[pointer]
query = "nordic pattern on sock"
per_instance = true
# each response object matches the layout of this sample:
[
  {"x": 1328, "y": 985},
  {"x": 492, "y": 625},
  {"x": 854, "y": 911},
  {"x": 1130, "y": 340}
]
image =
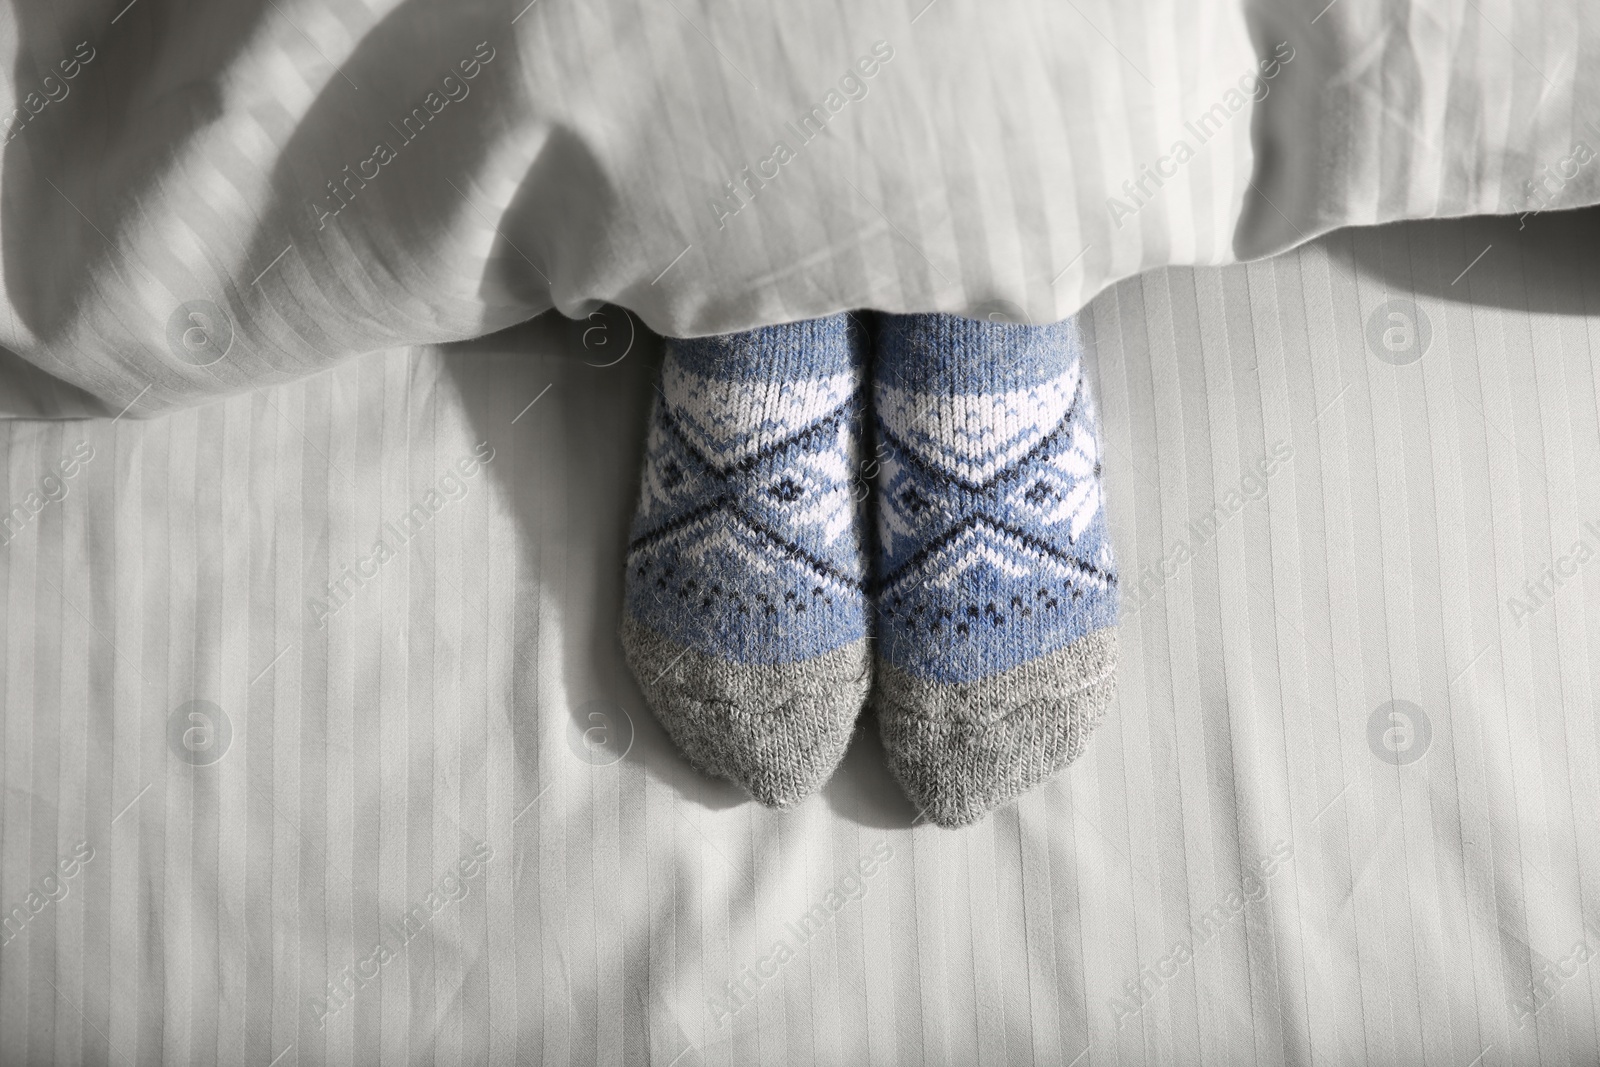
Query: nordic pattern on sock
[
  {"x": 993, "y": 541},
  {"x": 745, "y": 544}
]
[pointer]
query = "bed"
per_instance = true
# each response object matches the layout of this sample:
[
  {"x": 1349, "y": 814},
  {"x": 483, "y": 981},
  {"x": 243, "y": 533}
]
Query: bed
[
  {"x": 316, "y": 739},
  {"x": 1337, "y": 815}
]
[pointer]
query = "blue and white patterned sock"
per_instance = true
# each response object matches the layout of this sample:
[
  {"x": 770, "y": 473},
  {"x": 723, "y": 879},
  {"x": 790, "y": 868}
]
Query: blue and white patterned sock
[
  {"x": 996, "y": 588},
  {"x": 746, "y": 614}
]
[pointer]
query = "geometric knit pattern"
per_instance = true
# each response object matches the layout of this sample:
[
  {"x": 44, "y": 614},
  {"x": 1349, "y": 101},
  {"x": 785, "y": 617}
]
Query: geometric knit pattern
[
  {"x": 995, "y": 584},
  {"x": 745, "y": 541},
  {"x": 993, "y": 545},
  {"x": 745, "y": 589}
]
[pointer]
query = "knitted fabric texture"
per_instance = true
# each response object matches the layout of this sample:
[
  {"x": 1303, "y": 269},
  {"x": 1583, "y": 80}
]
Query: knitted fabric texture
[
  {"x": 996, "y": 588},
  {"x": 746, "y": 613}
]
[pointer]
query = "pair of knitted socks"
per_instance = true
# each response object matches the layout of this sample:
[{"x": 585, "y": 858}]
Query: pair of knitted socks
[{"x": 761, "y": 616}]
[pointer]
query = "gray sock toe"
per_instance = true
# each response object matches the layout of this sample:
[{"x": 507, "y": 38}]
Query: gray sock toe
[
  {"x": 777, "y": 730},
  {"x": 960, "y": 751}
]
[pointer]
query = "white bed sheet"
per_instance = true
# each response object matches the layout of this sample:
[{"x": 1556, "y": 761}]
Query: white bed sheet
[{"x": 1252, "y": 864}]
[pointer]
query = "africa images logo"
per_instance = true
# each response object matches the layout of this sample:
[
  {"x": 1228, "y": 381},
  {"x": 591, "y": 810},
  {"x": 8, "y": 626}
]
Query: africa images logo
[
  {"x": 452, "y": 486},
  {"x": 1252, "y": 84},
  {"x": 342, "y": 190},
  {"x": 740, "y": 191},
  {"x": 740, "y": 991}
]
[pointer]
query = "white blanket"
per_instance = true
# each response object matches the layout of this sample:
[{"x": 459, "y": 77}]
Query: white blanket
[{"x": 204, "y": 201}]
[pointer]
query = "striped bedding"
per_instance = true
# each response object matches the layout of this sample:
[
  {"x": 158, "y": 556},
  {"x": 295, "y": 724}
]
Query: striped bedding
[
  {"x": 316, "y": 743},
  {"x": 273, "y": 792},
  {"x": 202, "y": 201}
]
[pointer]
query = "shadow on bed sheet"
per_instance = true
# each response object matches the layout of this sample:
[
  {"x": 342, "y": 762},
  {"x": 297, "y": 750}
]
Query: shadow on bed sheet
[{"x": 1500, "y": 261}]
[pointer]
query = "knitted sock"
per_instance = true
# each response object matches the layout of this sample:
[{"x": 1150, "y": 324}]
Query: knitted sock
[
  {"x": 746, "y": 620},
  {"x": 996, "y": 603}
]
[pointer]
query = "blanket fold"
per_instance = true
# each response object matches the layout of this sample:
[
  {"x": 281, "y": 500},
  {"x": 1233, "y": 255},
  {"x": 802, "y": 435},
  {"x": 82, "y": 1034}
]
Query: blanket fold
[{"x": 203, "y": 199}]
